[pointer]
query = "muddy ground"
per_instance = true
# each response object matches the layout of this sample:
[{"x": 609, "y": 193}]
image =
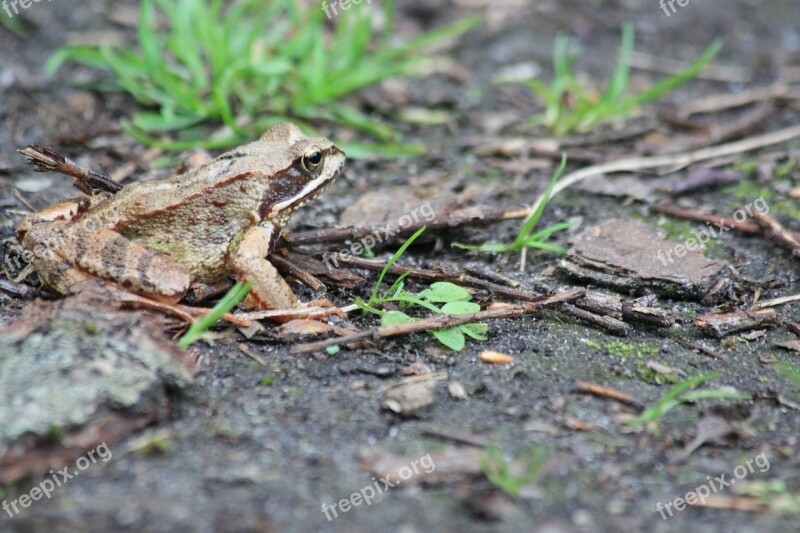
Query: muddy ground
[{"x": 238, "y": 452}]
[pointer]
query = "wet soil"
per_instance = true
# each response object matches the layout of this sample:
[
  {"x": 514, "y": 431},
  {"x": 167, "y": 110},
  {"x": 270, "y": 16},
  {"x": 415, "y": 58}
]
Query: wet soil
[{"x": 239, "y": 452}]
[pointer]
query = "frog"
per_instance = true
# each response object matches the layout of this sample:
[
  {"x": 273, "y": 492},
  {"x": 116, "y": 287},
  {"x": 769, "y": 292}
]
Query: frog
[{"x": 197, "y": 229}]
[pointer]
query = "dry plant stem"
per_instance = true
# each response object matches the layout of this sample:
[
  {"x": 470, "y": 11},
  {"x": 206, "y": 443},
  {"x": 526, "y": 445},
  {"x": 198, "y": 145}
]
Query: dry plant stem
[
  {"x": 308, "y": 280},
  {"x": 722, "y": 102},
  {"x": 441, "y": 321},
  {"x": 781, "y": 301},
  {"x": 743, "y": 125},
  {"x": 17, "y": 289},
  {"x": 302, "y": 312},
  {"x": 775, "y": 232},
  {"x": 671, "y": 160},
  {"x": 675, "y": 161},
  {"x": 734, "y": 503},
  {"x": 744, "y": 227},
  {"x": 604, "y": 137},
  {"x": 22, "y": 200},
  {"x": 45, "y": 159},
  {"x": 701, "y": 348},
  {"x": 605, "y": 392},
  {"x": 717, "y": 131}
]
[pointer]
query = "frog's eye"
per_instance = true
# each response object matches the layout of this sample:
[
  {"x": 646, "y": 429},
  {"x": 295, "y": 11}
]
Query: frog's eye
[{"x": 312, "y": 159}]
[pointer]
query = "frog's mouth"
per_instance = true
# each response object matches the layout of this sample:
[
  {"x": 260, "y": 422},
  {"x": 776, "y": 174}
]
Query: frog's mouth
[{"x": 335, "y": 159}]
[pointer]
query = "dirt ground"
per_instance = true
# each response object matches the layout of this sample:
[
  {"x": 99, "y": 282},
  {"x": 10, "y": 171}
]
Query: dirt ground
[{"x": 262, "y": 446}]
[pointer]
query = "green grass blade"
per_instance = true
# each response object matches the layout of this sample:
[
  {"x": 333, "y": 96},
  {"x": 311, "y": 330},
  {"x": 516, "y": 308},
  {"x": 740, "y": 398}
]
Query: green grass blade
[
  {"x": 621, "y": 77},
  {"x": 394, "y": 258},
  {"x": 671, "y": 82},
  {"x": 231, "y": 298},
  {"x": 531, "y": 221},
  {"x": 545, "y": 233},
  {"x": 671, "y": 398}
]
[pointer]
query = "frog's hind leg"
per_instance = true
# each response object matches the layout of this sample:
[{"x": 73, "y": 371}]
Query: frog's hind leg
[
  {"x": 106, "y": 254},
  {"x": 56, "y": 272}
]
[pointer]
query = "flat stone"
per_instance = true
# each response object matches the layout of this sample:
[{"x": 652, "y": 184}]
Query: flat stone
[{"x": 630, "y": 256}]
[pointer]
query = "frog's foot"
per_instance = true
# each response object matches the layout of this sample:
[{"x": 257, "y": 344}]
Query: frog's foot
[
  {"x": 324, "y": 304},
  {"x": 199, "y": 292},
  {"x": 320, "y": 308}
]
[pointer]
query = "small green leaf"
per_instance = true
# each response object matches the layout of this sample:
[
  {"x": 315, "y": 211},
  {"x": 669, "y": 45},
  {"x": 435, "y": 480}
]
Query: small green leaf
[
  {"x": 476, "y": 330},
  {"x": 450, "y": 337},
  {"x": 393, "y": 318},
  {"x": 267, "y": 380},
  {"x": 460, "y": 308},
  {"x": 444, "y": 291},
  {"x": 332, "y": 350}
]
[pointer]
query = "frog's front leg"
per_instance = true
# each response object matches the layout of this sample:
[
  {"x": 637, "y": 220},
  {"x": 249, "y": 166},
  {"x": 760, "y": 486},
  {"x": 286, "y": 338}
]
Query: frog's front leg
[
  {"x": 75, "y": 253},
  {"x": 269, "y": 290}
]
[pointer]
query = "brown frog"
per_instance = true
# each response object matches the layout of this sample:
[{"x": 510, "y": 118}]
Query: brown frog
[{"x": 157, "y": 238}]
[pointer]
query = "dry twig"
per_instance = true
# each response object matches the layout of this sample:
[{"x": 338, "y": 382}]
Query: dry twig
[
  {"x": 45, "y": 159},
  {"x": 605, "y": 392}
]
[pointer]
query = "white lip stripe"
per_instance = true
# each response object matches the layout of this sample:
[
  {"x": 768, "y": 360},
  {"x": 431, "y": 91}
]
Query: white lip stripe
[{"x": 308, "y": 189}]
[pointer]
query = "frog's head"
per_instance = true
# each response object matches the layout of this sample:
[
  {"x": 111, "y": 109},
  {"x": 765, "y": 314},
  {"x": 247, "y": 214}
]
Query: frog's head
[{"x": 312, "y": 164}]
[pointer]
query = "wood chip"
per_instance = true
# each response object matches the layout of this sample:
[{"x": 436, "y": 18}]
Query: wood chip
[
  {"x": 723, "y": 324},
  {"x": 497, "y": 358},
  {"x": 605, "y": 392}
]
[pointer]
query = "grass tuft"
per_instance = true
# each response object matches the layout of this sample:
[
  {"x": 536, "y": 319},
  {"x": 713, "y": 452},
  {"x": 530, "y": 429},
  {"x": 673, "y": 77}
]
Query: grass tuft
[
  {"x": 570, "y": 108},
  {"x": 525, "y": 237},
  {"x": 249, "y": 65}
]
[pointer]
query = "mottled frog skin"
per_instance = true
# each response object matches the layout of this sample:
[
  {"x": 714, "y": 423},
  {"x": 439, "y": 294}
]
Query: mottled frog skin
[{"x": 157, "y": 238}]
